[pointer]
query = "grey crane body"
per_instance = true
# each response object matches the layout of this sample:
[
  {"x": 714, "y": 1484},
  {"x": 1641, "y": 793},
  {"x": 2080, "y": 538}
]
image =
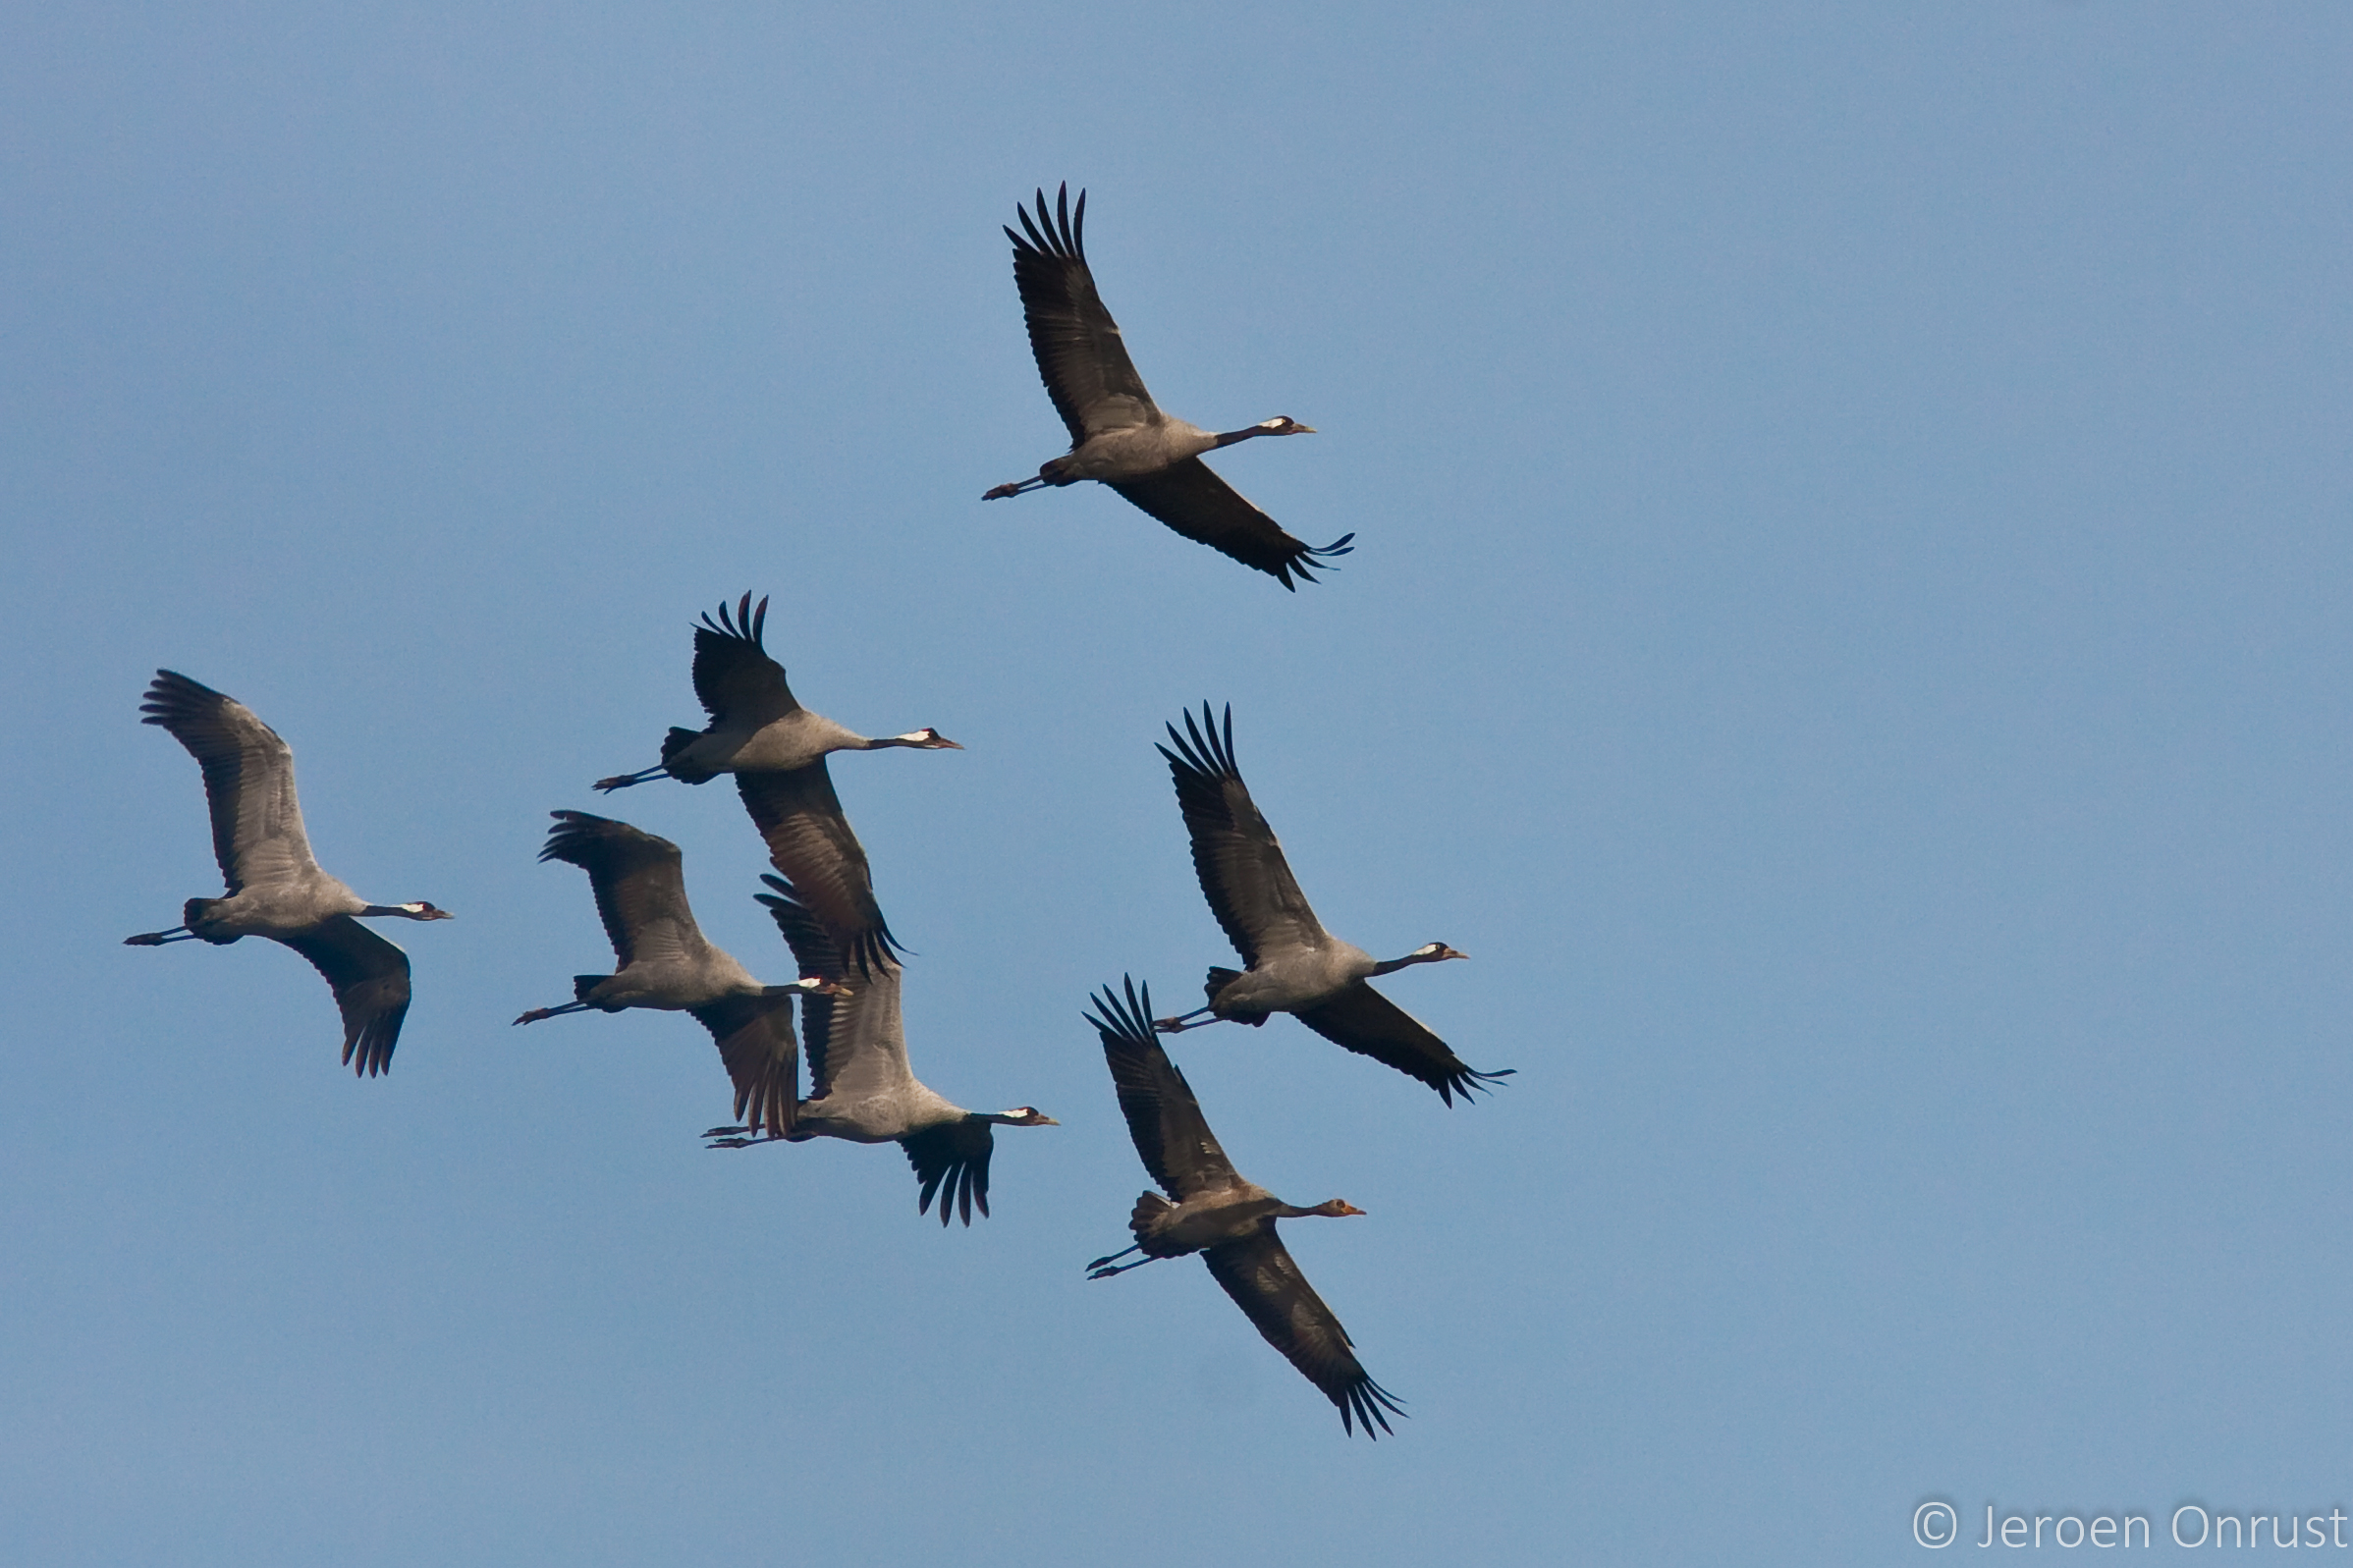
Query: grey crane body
[
  {"x": 1211, "y": 1209},
  {"x": 668, "y": 965},
  {"x": 1118, "y": 435},
  {"x": 1294, "y": 964},
  {"x": 1210, "y": 1217},
  {"x": 1153, "y": 441},
  {"x": 863, "y": 1090},
  {"x": 1289, "y": 978},
  {"x": 276, "y": 888},
  {"x": 756, "y": 724},
  {"x": 679, "y": 983},
  {"x": 781, "y": 744}
]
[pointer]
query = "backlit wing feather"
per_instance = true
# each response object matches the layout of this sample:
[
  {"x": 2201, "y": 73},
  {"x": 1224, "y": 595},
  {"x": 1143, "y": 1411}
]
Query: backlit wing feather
[
  {"x": 1243, "y": 875},
  {"x": 1172, "y": 1136},
  {"x": 370, "y": 980},
  {"x": 258, "y": 833},
  {"x": 1081, "y": 356},
  {"x": 1191, "y": 499},
  {"x": 1258, "y": 1272}
]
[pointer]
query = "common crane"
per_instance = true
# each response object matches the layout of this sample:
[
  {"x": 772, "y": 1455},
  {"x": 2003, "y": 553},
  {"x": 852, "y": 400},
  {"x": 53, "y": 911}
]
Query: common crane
[
  {"x": 1118, "y": 433},
  {"x": 667, "y": 963},
  {"x": 777, "y": 750},
  {"x": 1294, "y": 964},
  {"x": 1217, "y": 1214},
  {"x": 861, "y": 1087},
  {"x": 276, "y": 889}
]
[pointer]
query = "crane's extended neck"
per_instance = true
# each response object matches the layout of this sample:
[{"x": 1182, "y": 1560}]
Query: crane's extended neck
[
  {"x": 1431, "y": 952},
  {"x": 925, "y": 739},
  {"x": 1281, "y": 424}
]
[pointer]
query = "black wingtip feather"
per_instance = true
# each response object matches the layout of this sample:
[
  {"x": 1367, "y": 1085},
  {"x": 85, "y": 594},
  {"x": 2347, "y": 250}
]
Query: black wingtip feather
[
  {"x": 1367, "y": 1399},
  {"x": 1057, "y": 230},
  {"x": 1470, "y": 1081},
  {"x": 171, "y": 695},
  {"x": 1132, "y": 1022},
  {"x": 368, "y": 1054},
  {"x": 826, "y": 959},
  {"x": 579, "y": 836},
  {"x": 744, "y": 624}
]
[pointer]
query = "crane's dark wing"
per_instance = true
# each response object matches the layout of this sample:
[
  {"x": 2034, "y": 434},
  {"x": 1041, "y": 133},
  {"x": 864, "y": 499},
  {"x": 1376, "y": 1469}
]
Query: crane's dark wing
[
  {"x": 1171, "y": 1135},
  {"x": 763, "y": 1058},
  {"x": 734, "y": 676},
  {"x": 1371, "y": 1025},
  {"x": 1243, "y": 875},
  {"x": 640, "y": 887},
  {"x": 809, "y": 840},
  {"x": 371, "y": 979},
  {"x": 1080, "y": 355},
  {"x": 1263, "y": 1281},
  {"x": 258, "y": 833},
  {"x": 1191, "y": 499},
  {"x": 952, "y": 1161},
  {"x": 856, "y": 1042}
]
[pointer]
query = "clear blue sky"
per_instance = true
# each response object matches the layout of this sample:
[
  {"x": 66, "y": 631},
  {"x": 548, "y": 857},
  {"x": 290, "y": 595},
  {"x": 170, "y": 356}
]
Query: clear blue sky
[{"x": 1849, "y": 630}]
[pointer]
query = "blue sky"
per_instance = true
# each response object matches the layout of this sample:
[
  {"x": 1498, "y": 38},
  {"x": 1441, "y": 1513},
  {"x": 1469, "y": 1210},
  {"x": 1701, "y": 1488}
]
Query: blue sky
[{"x": 1847, "y": 630}]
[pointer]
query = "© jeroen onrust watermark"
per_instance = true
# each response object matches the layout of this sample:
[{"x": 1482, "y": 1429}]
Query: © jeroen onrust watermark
[{"x": 1937, "y": 1524}]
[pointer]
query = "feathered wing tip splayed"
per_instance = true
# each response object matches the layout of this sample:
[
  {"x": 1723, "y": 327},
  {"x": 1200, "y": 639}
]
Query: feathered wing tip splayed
[
  {"x": 1321, "y": 556},
  {"x": 951, "y": 1162},
  {"x": 1367, "y": 1400},
  {"x": 1202, "y": 749},
  {"x": 1470, "y": 1080},
  {"x": 1065, "y": 235},
  {"x": 1134, "y": 1021},
  {"x": 747, "y": 625}
]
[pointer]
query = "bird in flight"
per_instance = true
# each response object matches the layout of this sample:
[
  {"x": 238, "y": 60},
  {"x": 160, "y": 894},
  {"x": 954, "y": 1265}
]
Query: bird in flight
[
  {"x": 1226, "y": 1218},
  {"x": 1118, "y": 433},
  {"x": 1292, "y": 963},
  {"x": 276, "y": 889}
]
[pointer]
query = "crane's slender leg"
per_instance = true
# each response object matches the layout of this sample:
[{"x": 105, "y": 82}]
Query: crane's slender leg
[
  {"x": 538, "y": 1013},
  {"x": 1002, "y": 491},
  {"x": 156, "y": 938},
  {"x": 1114, "y": 1256},
  {"x": 1106, "y": 1271},
  {"x": 1180, "y": 1024},
  {"x": 624, "y": 779},
  {"x": 739, "y": 1138}
]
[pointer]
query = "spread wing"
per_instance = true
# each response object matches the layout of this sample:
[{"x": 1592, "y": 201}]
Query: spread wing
[
  {"x": 1243, "y": 875},
  {"x": 1191, "y": 499},
  {"x": 1172, "y": 1136},
  {"x": 856, "y": 1042},
  {"x": 1081, "y": 356},
  {"x": 371, "y": 979},
  {"x": 952, "y": 1161},
  {"x": 1263, "y": 1281},
  {"x": 733, "y": 676},
  {"x": 755, "y": 1039},
  {"x": 639, "y": 884},
  {"x": 810, "y": 841},
  {"x": 258, "y": 831},
  {"x": 1371, "y": 1025}
]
